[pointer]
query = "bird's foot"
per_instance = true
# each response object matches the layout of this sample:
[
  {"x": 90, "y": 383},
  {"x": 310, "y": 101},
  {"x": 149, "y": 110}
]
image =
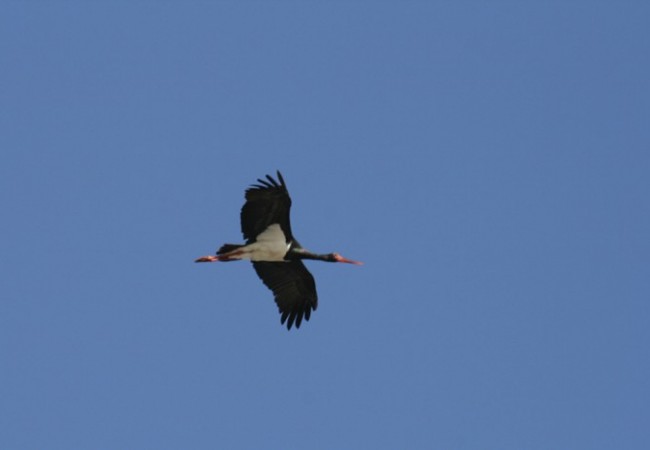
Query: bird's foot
[{"x": 208, "y": 258}]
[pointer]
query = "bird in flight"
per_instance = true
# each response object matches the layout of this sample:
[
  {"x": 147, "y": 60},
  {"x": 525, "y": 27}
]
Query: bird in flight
[{"x": 276, "y": 255}]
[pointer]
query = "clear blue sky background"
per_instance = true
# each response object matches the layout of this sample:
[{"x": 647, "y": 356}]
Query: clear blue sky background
[{"x": 488, "y": 161}]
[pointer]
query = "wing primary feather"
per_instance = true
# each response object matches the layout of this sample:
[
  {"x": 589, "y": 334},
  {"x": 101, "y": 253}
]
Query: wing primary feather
[
  {"x": 292, "y": 318},
  {"x": 281, "y": 179},
  {"x": 264, "y": 184},
  {"x": 273, "y": 182}
]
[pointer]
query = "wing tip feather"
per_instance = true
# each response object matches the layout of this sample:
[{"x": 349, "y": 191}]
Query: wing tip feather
[{"x": 269, "y": 184}]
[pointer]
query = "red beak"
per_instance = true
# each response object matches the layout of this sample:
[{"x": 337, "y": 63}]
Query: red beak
[{"x": 339, "y": 258}]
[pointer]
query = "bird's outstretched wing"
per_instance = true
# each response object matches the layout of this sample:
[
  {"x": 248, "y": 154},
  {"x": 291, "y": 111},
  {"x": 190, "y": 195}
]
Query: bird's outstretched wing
[
  {"x": 266, "y": 203},
  {"x": 293, "y": 287}
]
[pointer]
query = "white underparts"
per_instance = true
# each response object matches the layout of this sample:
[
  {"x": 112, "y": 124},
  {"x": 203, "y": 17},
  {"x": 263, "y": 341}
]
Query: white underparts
[{"x": 270, "y": 245}]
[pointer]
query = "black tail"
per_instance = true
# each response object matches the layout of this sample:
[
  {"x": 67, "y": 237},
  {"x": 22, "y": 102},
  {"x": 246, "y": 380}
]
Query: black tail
[{"x": 225, "y": 248}]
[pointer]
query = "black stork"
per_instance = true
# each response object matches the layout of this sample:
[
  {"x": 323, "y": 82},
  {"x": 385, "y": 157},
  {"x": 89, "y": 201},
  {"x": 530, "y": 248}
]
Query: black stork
[{"x": 276, "y": 254}]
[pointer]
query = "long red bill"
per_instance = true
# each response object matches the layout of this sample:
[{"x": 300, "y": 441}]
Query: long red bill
[{"x": 339, "y": 258}]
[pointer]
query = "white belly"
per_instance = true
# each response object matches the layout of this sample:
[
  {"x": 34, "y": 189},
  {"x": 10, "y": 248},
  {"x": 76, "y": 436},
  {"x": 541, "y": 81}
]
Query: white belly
[{"x": 270, "y": 245}]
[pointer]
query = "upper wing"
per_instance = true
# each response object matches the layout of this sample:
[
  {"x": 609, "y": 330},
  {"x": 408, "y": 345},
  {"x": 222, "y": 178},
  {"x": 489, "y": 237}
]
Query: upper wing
[
  {"x": 266, "y": 203},
  {"x": 293, "y": 287}
]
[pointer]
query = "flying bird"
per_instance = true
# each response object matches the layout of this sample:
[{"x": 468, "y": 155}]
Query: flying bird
[{"x": 276, "y": 255}]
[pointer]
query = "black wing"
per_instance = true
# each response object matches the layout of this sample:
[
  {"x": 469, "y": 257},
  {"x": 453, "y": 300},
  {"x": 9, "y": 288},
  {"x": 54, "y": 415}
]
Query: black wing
[
  {"x": 266, "y": 203},
  {"x": 293, "y": 287}
]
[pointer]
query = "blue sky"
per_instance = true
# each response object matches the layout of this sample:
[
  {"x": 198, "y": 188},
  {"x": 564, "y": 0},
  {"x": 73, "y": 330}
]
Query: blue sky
[{"x": 488, "y": 161}]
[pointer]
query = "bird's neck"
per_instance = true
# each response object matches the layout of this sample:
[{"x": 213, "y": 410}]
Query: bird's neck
[{"x": 301, "y": 253}]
